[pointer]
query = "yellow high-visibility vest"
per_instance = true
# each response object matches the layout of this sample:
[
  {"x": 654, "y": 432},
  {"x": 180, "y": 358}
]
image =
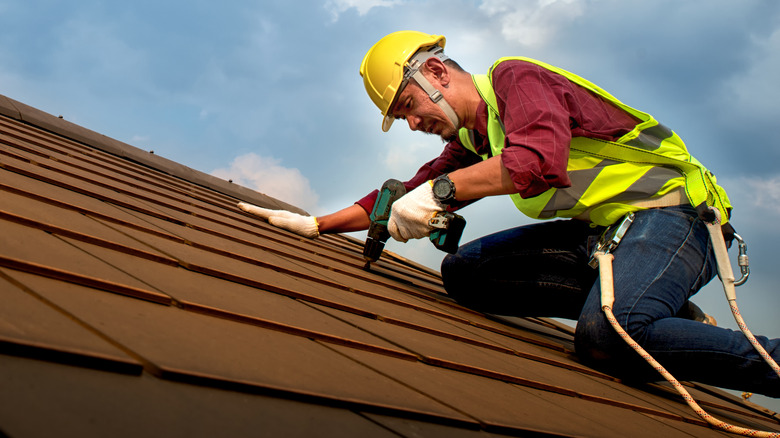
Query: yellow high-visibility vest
[{"x": 647, "y": 163}]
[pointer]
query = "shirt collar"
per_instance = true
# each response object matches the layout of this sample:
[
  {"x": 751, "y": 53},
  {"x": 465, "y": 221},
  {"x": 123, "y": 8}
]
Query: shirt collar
[
  {"x": 480, "y": 124},
  {"x": 482, "y": 145}
]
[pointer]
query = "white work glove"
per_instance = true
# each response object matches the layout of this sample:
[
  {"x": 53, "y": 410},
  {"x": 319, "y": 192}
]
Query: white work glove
[
  {"x": 410, "y": 216},
  {"x": 305, "y": 226}
]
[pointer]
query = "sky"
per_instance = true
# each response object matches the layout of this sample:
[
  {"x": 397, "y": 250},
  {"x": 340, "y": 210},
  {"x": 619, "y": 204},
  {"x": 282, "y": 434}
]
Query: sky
[{"x": 267, "y": 93}]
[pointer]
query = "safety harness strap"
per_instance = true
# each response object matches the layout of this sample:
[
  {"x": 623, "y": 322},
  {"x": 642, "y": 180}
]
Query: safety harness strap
[{"x": 700, "y": 183}]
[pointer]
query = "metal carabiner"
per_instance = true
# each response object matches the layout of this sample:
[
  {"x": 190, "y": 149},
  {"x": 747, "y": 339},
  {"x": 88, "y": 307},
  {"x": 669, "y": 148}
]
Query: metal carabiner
[
  {"x": 610, "y": 239},
  {"x": 742, "y": 261}
]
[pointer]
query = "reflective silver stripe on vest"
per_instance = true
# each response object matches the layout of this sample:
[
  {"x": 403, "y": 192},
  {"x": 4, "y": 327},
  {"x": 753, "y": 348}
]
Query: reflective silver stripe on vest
[
  {"x": 565, "y": 199},
  {"x": 473, "y": 140},
  {"x": 650, "y": 139},
  {"x": 651, "y": 183},
  {"x": 648, "y": 185}
]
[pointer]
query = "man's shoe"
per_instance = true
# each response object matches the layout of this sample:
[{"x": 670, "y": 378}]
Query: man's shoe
[{"x": 693, "y": 312}]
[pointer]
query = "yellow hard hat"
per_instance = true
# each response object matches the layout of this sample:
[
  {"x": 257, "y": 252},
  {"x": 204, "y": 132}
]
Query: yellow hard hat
[{"x": 383, "y": 66}]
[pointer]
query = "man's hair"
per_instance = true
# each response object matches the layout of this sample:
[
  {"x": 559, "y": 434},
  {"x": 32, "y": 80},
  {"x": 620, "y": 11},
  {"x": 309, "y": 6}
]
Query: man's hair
[{"x": 454, "y": 65}]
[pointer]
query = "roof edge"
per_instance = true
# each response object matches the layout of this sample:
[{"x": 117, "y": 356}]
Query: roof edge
[{"x": 57, "y": 125}]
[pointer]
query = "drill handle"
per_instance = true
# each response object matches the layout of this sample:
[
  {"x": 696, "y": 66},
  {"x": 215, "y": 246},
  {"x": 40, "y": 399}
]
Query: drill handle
[{"x": 391, "y": 191}]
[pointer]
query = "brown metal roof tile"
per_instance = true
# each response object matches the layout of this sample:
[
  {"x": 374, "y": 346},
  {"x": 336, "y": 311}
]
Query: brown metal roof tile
[
  {"x": 61, "y": 199},
  {"x": 187, "y": 345},
  {"x": 71, "y": 401},
  {"x": 30, "y": 326},
  {"x": 206, "y": 294},
  {"x": 502, "y": 406},
  {"x": 25, "y": 244}
]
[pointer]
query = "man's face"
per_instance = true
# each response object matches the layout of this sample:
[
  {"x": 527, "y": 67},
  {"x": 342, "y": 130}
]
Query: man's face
[{"x": 414, "y": 106}]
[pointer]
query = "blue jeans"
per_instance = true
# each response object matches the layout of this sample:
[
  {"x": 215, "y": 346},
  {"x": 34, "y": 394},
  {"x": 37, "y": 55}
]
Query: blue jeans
[{"x": 664, "y": 259}]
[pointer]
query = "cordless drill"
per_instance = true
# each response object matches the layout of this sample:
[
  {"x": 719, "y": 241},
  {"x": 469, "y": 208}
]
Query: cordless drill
[
  {"x": 391, "y": 191},
  {"x": 448, "y": 227}
]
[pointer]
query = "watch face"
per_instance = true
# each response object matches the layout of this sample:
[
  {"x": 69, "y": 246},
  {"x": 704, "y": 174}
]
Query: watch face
[{"x": 442, "y": 189}]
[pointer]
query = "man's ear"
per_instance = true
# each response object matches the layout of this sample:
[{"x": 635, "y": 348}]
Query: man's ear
[{"x": 436, "y": 68}]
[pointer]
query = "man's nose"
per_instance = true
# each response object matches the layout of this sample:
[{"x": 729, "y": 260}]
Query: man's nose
[{"x": 414, "y": 122}]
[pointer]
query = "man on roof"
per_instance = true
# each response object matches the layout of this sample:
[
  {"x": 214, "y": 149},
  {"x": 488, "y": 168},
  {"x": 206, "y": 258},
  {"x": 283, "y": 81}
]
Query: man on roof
[{"x": 563, "y": 148}]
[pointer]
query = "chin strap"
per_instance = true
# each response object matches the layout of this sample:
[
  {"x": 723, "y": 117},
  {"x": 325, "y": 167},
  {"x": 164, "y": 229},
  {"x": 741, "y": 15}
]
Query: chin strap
[
  {"x": 436, "y": 97},
  {"x": 413, "y": 72}
]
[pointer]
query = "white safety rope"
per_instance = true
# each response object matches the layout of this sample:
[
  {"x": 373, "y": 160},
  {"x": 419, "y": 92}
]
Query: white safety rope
[
  {"x": 724, "y": 271},
  {"x": 726, "y": 275}
]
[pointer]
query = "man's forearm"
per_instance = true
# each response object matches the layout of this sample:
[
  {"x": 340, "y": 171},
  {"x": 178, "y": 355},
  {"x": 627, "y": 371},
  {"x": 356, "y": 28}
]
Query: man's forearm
[
  {"x": 486, "y": 178},
  {"x": 352, "y": 218}
]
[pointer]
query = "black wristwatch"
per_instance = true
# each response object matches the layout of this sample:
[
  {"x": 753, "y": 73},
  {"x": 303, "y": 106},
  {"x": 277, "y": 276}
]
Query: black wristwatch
[{"x": 444, "y": 189}]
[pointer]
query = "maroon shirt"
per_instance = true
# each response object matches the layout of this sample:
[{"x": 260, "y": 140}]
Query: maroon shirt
[{"x": 541, "y": 111}]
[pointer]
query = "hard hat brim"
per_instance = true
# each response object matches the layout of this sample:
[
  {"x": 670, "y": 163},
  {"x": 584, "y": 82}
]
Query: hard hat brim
[{"x": 387, "y": 122}]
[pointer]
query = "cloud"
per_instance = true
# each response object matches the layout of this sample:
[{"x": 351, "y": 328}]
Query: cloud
[
  {"x": 266, "y": 175},
  {"x": 405, "y": 153},
  {"x": 532, "y": 23},
  {"x": 755, "y": 90},
  {"x": 760, "y": 195},
  {"x": 337, "y": 7},
  {"x": 137, "y": 138}
]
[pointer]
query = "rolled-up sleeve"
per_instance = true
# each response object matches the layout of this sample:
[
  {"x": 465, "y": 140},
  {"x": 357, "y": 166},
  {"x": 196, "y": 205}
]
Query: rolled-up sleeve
[{"x": 532, "y": 103}]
